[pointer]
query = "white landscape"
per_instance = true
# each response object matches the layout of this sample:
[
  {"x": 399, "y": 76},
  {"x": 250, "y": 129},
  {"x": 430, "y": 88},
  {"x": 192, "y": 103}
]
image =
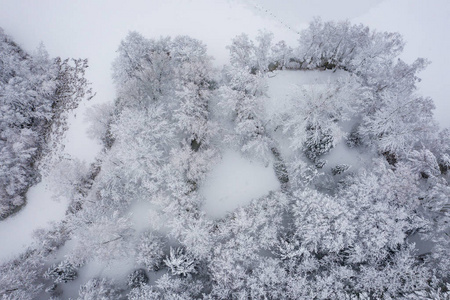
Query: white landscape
[{"x": 224, "y": 150}]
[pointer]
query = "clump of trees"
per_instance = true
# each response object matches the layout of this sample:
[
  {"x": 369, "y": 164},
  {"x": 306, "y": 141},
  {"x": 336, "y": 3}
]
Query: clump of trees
[
  {"x": 337, "y": 233},
  {"x": 36, "y": 95}
]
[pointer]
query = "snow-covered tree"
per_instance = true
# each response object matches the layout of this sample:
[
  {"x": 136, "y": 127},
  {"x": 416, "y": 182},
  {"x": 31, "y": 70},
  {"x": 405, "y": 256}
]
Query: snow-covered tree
[
  {"x": 101, "y": 117},
  {"x": 180, "y": 263},
  {"x": 36, "y": 95},
  {"x": 98, "y": 235},
  {"x": 168, "y": 287},
  {"x": 313, "y": 120},
  {"x": 340, "y": 45},
  {"x": 143, "y": 71},
  {"x": 243, "y": 96},
  {"x": 137, "y": 278},
  {"x": 281, "y": 56},
  {"x": 259, "y": 55},
  {"x": 242, "y": 52},
  {"x": 62, "y": 272},
  {"x": 21, "y": 278},
  {"x": 397, "y": 119},
  {"x": 149, "y": 251},
  {"x": 356, "y": 241},
  {"x": 262, "y": 50},
  {"x": 98, "y": 288}
]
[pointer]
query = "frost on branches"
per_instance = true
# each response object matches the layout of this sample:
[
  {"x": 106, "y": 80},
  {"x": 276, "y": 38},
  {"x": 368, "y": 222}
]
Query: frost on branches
[{"x": 363, "y": 170}]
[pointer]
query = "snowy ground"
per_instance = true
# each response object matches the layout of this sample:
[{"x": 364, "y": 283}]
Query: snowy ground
[
  {"x": 234, "y": 182},
  {"x": 16, "y": 231}
]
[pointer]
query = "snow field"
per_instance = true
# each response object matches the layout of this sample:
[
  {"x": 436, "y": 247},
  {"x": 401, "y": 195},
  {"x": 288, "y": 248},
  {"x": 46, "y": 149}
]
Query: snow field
[
  {"x": 234, "y": 182},
  {"x": 41, "y": 209}
]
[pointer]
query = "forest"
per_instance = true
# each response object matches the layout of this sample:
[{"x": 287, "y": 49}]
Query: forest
[{"x": 358, "y": 207}]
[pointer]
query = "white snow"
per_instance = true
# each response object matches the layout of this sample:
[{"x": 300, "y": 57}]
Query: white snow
[
  {"x": 41, "y": 208},
  {"x": 76, "y": 142},
  {"x": 342, "y": 154},
  {"x": 141, "y": 214},
  {"x": 234, "y": 182},
  {"x": 145, "y": 215}
]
